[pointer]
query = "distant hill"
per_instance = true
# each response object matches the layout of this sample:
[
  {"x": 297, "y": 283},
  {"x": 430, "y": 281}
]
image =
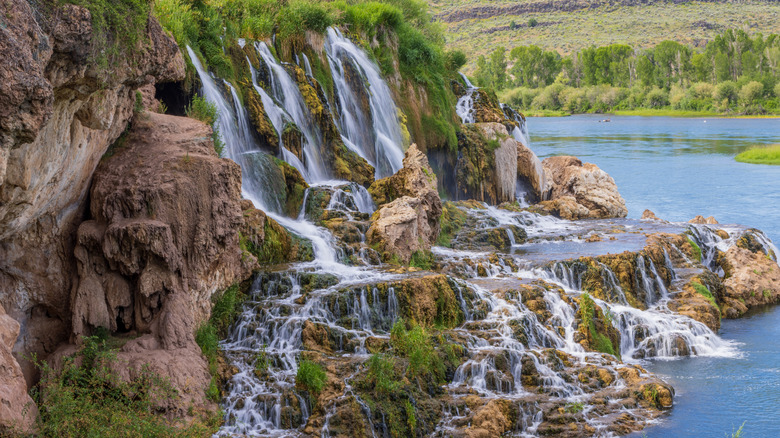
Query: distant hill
[{"x": 478, "y": 27}]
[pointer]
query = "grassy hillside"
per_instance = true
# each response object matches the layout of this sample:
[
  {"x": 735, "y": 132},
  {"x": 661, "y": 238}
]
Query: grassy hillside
[{"x": 478, "y": 27}]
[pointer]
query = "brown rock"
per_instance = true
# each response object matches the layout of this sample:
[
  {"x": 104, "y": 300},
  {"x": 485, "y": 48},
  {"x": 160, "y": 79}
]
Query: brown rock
[
  {"x": 490, "y": 420},
  {"x": 410, "y": 207},
  {"x": 531, "y": 172},
  {"x": 752, "y": 279},
  {"x": 701, "y": 220},
  {"x": 589, "y": 186},
  {"x": 17, "y": 409},
  {"x": 649, "y": 215}
]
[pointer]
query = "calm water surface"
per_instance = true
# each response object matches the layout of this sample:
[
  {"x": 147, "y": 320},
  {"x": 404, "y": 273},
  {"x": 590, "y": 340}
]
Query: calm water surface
[{"x": 679, "y": 168}]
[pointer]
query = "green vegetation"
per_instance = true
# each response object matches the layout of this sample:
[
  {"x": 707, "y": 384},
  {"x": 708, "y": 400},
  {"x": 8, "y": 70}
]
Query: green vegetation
[
  {"x": 422, "y": 259},
  {"x": 588, "y": 314},
  {"x": 738, "y": 433},
  {"x": 416, "y": 345},
  {"x": 205, "y": 111},
  {"x": 311, "y": 377},
  {"x": 118, "y": 28},
  {"x": 381, "y": 374},
  {"x": 760, "y": 155},
  {"x": 734, "y": 74},
  {"x": 695, "y": 249},
  {"x": 477, "y": 27},
  {"x": 451, "y": 221},
  {"x": 705, "y": 292},
  {"x": 574, "y": 408},
  {"x": 227, "y": 306},
  {"x": 88, "y": 398}
]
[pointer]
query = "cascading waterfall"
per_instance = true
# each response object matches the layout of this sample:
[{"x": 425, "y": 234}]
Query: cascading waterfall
[
  {"x": 503, "y": 332},
  {"x": 374, "y": 133},
  {"x": 465, "y": 106}
]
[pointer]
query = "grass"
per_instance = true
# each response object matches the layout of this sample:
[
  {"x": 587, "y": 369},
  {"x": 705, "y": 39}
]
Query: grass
[
  {"x": 587, "y": 312},
  {"x": 310, "y": 377},
  {"x": 545, "y": 113},
  {"x": 88, "y": 398},
  {"x": 760, "y": 155},
  {"x": 416, "y": 345},
  {"x": 423, "y": 260},
  {"x": 572, "y": 30},
  {"x": 695, "y": 249},
  {"x": 205, "y": 111}
]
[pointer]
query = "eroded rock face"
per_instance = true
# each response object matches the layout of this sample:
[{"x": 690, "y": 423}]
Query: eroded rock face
[
  {"x": 487, "y": 166},
  {"x": 408, "y": 218},
  {"x": 59, "y": 112},
  {"x": 581, "y": 191},
  {"x": 752, "y": 279},
  {"x": 531, "y": 174},
  {"x": 17, "y": 409}
]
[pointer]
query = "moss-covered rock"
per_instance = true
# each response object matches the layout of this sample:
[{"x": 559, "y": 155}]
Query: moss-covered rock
[
  {"x": 292, "y": 138},
  {"x": 595, "y": 328},
  {"x": 487, "y": 165},
  {"x": 265, "y": 130},
  {"x": 268, "y": 242}
]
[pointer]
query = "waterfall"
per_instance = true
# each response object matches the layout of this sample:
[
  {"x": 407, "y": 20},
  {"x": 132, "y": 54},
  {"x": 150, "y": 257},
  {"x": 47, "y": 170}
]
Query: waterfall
[
  {"x": 285, "y": 91},
  {"x": 465, "y": 106},
  {"x": 374, "y": 134}
]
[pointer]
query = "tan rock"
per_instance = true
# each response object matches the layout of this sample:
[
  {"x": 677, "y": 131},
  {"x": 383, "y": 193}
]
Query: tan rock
[
  {"x": 410, "y": 207},
  {"x": 490, "y": 420},
  {"x": 649, "y": 215},
  {"x": 700, "y": 220},
  {"x": 590, "y": 187},
  {"x": 752, "y": 279},
  {"x": 17, "y": 410}
]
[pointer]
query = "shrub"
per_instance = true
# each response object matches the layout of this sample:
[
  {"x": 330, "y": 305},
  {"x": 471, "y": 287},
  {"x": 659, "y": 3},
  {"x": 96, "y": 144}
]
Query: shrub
[
  {"x": 416, "y": 345},
  {"x": 205, "y": 111},
  {"x": 381, "y": 374},
  {"x": 726, "y": 90},
  {"x": 311, "y": 377},
  {"x": 656, "y": 98},
  {"x": 178, "y": 18},
  {"x": 751, "y": 92}
]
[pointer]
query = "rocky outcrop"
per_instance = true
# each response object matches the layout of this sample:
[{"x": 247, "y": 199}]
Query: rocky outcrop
[
  {"x": 487, "y": 166},
  {"x": 17, "y": 409},
  {"x": 59, "y": 112},
  {"x": 408, "y": 218},
  {"x": 531, "y": 174},
  {"x": 162, "y": 238},
  {"x": 751, "y": 278},
  {"x": 701, "y": 220},
  {"x": 650, "y": 216},
  {"x": 581, "y": 191}
]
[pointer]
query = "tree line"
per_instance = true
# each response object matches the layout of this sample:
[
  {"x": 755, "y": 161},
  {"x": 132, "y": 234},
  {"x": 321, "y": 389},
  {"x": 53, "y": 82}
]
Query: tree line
[{"x": 733, "y": 72}]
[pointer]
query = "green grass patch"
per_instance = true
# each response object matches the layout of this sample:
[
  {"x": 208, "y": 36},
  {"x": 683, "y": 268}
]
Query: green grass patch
[
  {"x": 311, "y": 377},
  {"x": 760, "y": 155},
  {"x": 587, "y": 312},
  {"x": 451, "y": 221},
  {"x": 422, "y": 259},
  {"x": 201, "y": 109},
  {"x": 416, "y": 345}
]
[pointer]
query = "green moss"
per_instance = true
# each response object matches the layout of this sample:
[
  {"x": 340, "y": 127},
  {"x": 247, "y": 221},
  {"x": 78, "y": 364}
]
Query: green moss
[
  {"x": 705, "y": 292},
  {"x": 422, "y": 260},
  {"x": 451, "y": 221},
  {"x": 587, "y": 311},
  {"x": 695, "y": 249}
]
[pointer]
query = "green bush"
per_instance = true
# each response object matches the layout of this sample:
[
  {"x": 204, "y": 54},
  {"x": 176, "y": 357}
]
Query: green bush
[
  {"x": 201, "y": 109},
  {"x": 311, "y": 377},
  {"x": 416, "y": 345},
  {"x": 381, "y": 374}
]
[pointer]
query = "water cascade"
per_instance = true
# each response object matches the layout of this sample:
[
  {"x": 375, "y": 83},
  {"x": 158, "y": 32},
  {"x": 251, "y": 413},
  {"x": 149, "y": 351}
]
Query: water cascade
[
  {"x": 465, "y": 106},
  {"x": 373, "y": 132}
]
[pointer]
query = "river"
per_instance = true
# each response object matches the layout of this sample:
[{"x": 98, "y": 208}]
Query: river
[{"x": 679, "y": 168}]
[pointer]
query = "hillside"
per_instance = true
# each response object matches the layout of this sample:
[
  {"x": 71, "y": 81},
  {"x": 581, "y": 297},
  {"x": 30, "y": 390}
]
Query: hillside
[{"x": 478, "y": 27}]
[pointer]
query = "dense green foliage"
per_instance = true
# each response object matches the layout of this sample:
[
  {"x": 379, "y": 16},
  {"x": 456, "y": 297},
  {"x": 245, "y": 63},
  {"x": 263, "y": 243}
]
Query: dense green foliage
[
  {"x": 733, "y": 73},
  {"x": 310, "y": 377},
  {"x": 761, "y": 155},
  {"x": 416, "y": 345},
  {"x": 88, "y": 398}
]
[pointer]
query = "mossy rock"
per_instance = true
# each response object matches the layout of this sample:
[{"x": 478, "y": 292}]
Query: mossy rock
[
  {"x": 260, "y": 121},
  {"x": 597, "y": 332},
  {"x": 271, "y": 243},
  {"x": 292, "y": 138}
]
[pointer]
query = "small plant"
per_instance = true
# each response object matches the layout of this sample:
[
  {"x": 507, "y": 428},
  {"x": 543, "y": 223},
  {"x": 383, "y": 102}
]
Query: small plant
[
  {"x": 573, "y": 408},
  {"x": 695, "y": 249},
  {"x": 422, "y": 260},
  {"x": 381, "y": 373},
  {"x": 411, "y": 420},
  {"x": 416, "y": 345},
  {"x": 262, "y": 361},
  {"x": 311, "y": 377},
  {"x": 738, "y": 433},
  {"x": 705, "y": 292},
  {"x": 138, "y": 108},
  {"x": 532, "y": 22},
  {"x": 767, "y": 294},
  {"x": 162, "y": 108},
  {"x": 205, "y": 111}
]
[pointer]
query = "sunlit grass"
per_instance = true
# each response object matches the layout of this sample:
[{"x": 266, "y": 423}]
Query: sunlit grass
[{"x": 760, "y": 155}]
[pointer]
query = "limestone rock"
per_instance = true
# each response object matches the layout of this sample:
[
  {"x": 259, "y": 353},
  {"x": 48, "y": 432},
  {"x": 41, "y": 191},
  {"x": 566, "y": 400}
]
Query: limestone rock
[
  {"x": 17, "y": 409},
  {"x": 530, "y": 173},
  {"x": 751, "y": 279},
  {"x": 649, "y": 215},
  {"x": 700, "y": 220},
  {"x": 59, "y": 112},
  {"x": 487, "y": 167},
  {"x": 408, "y": 218},
  {"x": 590, "y": 187},
  {"x": 402, "y": 228}
]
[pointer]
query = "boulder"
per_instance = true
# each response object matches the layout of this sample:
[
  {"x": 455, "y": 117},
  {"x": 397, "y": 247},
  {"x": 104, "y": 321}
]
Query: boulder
[
  {"x": 409, "y": 208},
  {"x": 650, "y": 216},
  {"x": 402, "y": 228},
  {"x": 751, "y": 279},
  {"x": 590, "y": 188},
  {"x": 700, "y": 220},
  {"x": 487, "y": 167}
]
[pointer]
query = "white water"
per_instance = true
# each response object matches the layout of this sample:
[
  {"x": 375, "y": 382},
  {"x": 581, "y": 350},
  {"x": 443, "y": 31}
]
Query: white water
[
  {"x": 376, "y": 135},
  {"x": 465, "y": 106}
]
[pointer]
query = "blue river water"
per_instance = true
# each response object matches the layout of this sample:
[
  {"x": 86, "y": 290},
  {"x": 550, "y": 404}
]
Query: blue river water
[{"x": 680, "y": 168}]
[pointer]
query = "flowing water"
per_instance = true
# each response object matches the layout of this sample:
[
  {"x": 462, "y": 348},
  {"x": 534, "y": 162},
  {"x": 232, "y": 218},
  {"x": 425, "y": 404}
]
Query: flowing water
[
  {"x": 355, "y": 302},
  {"x": 679, "y": 168}
]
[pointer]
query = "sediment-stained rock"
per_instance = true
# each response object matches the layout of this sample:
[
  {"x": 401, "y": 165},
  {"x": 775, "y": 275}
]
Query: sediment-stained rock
[
  {"x": 581, "y": 191},
  {"x": 487, "y": 165}
]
